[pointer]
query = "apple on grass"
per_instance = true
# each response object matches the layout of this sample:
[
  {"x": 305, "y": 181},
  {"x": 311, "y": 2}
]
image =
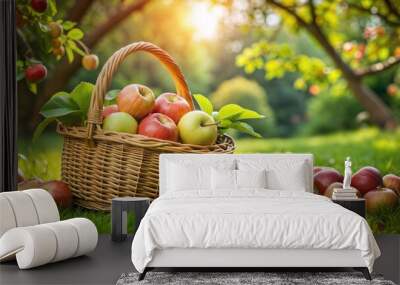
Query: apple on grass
[
  {"x": 366, "y": 179},
  {"x": 380, "y": 198},
  {"x": 198, "y": 128},
  {"x": 172, "y": 105},
  {"x": 326, "y": 177},
  {"x": 120, "y": 122},
  {"x": 158, "y": 126},
  {"x": 392, "y": 181},
  {"x": 136, "y": 100},
  {"x": 60, "y": 191}
]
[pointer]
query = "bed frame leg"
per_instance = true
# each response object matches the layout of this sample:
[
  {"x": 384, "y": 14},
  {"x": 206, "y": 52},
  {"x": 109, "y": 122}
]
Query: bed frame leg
[
  {"x": 143, "y": 274},
  {"x": 364, "y": 271}
]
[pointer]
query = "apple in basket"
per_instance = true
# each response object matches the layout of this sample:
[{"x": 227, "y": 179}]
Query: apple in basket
[
  {"x": 172, "y": 105},
  {"x": 108, "y": 110},
  {"x": 120, "y": 122},
  {"x": 136, "y": 100},
  {"x": 198, "y": 128},
  {"x": 158, "y": 126}
]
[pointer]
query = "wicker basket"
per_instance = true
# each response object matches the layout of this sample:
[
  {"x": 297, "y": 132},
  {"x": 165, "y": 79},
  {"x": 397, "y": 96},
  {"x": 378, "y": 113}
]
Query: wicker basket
[{"x": 99, "y": 166}]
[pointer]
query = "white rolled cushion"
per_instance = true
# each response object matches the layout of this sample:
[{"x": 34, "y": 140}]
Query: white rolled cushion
[
  {"x": 66, "y": 238},
  {"x": 87, "y": 235},
  {"x": 251, "y": 178},
  {"x": 7, "y": 218},
  {"x": 223, "y": 179},
  {"x": 33, "y": 246},
  {"x": 45, "y": 205},
  {"x": 40, "y": 244},
  {"x": 23, "y": 208}
]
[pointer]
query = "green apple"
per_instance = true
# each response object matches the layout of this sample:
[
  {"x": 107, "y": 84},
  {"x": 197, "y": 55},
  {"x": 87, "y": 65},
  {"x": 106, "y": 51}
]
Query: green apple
[
  {"x": 120, "y": 122},
  {"x": 197, "y": 127}
]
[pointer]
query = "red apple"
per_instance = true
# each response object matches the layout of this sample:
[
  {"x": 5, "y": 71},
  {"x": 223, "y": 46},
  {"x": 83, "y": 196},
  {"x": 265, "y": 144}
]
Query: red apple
[
  {"x": 60, "y": 192},
  {"x": 379, "y": 198},
  {"x": 366, "y": 179},
  {"x": 36, "y": 72},
  {"x": 108, "y": 110},
  {"x": 39, "y": 5},
  {"x": 392, "y": 181},
  {"x": 158, "y": 126},
  {"x": 326, "y": 177},
  {"x": 136, "y": 100},
  {"x": 317, "y": 169},
  {"x": 172, "y": 105}
]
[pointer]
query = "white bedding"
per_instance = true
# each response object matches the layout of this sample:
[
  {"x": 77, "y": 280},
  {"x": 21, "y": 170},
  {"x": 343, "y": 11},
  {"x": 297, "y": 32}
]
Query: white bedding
[{"x": 253, "y": 218}]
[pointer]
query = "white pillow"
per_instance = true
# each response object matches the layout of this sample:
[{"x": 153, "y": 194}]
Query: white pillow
[
  {"x": 251, "y": 178},
  {"x": 189, "y": 176},
  {"x": 223, "y": 179},
  {"x": 282, "y": 173}
]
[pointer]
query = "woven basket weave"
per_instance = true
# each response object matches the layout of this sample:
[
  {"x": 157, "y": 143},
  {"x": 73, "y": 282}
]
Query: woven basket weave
[{"x": 99, "y": 166}]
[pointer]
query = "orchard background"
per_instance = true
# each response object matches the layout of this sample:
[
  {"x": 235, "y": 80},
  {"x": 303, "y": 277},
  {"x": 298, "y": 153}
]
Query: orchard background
[{"x": 325, "y": 73}]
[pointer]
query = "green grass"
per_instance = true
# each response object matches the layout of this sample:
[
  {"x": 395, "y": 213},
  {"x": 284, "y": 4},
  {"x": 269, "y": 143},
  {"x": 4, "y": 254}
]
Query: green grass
[{"x": 366, "y": 147}]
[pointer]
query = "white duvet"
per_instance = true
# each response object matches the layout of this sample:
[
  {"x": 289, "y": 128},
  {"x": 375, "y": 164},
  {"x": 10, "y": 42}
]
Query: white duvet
[{"x": 250, "y": 219}]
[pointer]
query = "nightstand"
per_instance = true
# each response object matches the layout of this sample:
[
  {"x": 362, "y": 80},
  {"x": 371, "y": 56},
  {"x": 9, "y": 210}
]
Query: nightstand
[
  {"x": 355, "y": 205},
  {"x": 119, "y": 214}
]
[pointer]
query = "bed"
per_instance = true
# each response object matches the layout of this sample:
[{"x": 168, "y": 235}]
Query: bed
[{"x": 247, "y": 210}]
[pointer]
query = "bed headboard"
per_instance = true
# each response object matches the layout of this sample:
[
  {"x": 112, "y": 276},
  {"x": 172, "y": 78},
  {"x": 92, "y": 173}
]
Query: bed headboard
[{"x": 212, "y": 158}]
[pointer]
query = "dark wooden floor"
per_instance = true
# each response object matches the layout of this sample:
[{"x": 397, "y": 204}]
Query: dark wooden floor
[
  {"x": 110, "y": 260},
  {"x": 103, "y": 266}
]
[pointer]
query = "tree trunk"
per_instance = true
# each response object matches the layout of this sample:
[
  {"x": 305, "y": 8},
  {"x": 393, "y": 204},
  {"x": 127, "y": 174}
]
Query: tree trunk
[{"x": 380, "y": 114}]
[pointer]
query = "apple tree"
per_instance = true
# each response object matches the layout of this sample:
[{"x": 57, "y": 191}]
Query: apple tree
[
  {"x": 360, "y": 39},
  {"x": 43, "y": 38}
]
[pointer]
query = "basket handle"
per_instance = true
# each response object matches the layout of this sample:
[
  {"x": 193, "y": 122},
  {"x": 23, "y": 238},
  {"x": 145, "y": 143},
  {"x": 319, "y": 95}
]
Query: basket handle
[{"x": 110, "y": 67}]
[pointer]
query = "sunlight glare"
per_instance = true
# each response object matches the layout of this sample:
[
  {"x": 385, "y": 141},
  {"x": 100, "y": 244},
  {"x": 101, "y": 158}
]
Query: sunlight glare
[{"x": 205, "y": 19}]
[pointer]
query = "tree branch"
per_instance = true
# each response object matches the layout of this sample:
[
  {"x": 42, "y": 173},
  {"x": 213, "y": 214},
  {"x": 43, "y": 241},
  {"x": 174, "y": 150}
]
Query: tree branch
[
  {"x": 377, "y": 13},
  {"x": 117, "y": 16},
  {"x": 378, "y": 67},
  {"x": 392, "y": 8},
  {"x": 78, "y": 10},
  {"x": 312, "y": 10},
  {"x": 290, "y": 11}
]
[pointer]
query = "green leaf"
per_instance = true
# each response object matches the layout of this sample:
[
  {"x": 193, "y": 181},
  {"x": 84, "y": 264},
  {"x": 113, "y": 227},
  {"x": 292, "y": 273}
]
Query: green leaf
[
  {"x": 68, "y": 25},
  {"x": 59, "y": 105},
  {"x": 245, "y": 128},
  {"x": 204, "y": 103},
  {"x": 75, "y": 34},
  {"x": 229, "y": 111},
  {"x": 82, "y": 94},
  {"x": 52, "y": 8},
  {"x": 111, "y": 96},
  {"x": 40, "y": 128},
  {"x": 32, "y": 87},
  {"x": 225, "y": 124},
  {"x": 249, "y": 114},
  {"x": 70, "y": 54},
  {"x": 75, "y": 48}
]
